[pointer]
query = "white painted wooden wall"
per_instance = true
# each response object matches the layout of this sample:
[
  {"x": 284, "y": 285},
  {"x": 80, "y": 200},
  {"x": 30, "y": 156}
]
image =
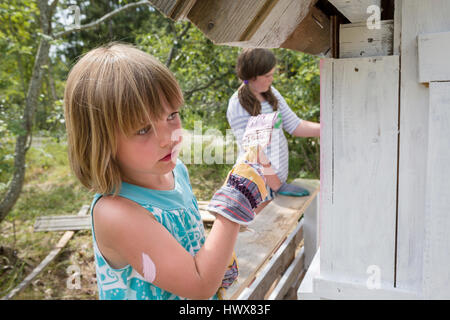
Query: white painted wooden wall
[
  {"x": 359, "y": 172},
  {"x": 417, "y": 239},
  {"x": 385, "y": 198}
]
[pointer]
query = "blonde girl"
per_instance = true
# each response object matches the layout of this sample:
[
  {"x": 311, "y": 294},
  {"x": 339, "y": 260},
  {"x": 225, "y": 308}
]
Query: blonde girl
[{"x": 123, "y": 124}]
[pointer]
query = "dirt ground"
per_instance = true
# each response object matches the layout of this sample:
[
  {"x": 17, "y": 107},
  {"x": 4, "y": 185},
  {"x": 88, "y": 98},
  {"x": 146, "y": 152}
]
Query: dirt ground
[{"x": 70, "y": 276}]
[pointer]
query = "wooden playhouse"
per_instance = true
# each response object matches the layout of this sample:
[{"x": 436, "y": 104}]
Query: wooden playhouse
[{"x": 381, "y": 231}]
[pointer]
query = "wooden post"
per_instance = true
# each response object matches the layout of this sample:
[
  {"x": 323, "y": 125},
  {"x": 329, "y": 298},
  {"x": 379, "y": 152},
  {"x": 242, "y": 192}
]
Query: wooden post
[
  {"x": 311, "y": 230},
  {"x": 334, "y": 37}
]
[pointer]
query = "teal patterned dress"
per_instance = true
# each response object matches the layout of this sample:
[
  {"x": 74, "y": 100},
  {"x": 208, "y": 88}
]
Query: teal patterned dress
[{"x": 177, "y": 211}]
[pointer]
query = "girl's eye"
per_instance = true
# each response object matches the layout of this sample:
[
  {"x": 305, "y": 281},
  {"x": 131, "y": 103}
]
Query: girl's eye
[
  {"x": 173, "y": 115},
  {"x": 144, "y": 130}
]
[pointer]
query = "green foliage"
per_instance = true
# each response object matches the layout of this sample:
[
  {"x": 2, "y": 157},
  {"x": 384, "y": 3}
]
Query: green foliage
[
  {"x": 18, "y": 24},
  {"x": 205, "y": 72}
]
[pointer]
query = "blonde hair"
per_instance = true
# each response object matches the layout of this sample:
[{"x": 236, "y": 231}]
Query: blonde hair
[
  {"x": 253, "y": 62},
  {"x": 114, "y": 89}
]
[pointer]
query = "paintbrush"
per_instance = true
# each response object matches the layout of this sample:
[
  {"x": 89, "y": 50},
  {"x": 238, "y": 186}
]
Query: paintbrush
[{"x": 258, "y": 134}]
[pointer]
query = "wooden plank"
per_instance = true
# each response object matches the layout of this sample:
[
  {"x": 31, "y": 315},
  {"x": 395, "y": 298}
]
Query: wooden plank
[
  {"x": 311, "y": 35},
  {"x": 62, "y": 223},
  {"x": 174, "y": 9},
  {"x": 291, "y": 294},
  {"x": 224, "y": 21},
  {"x": 49, "y": 258},
  {"x": 433, "y": 51},
  {"x": 417, "y": 17},
  {"x": 271, "y": 226},
  {"x": 326, "y": 140},
  {"x": 339, "y": 290},
  {"x": 293, "y": 24},
  {"x": 355, "y": 10},
  {"x": 281, "y": 22},
  {"x": 359, "y": 232},
  {"x": 289, "y": 276},
  {"x": 306, "y": 288},
  {"x": 276, "y": 266},
  {"x": 356, "y": 40},
  {"x": 311, "y": 230},
  {"x": 181, "y": 11},
  {"x": 437, "y": 205}
]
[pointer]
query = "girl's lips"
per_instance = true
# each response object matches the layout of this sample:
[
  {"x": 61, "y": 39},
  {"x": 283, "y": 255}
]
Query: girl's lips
[{"x": 167, "y": 157}]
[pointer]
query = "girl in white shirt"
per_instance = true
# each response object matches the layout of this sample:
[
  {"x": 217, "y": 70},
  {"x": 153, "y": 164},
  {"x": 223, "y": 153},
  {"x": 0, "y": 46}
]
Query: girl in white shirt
[{"x": 256, "y": 95}]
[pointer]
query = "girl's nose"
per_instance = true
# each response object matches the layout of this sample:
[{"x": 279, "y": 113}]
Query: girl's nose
[
  {"x": 165, "y": 138},
  {"x": 169, "y": 137}
]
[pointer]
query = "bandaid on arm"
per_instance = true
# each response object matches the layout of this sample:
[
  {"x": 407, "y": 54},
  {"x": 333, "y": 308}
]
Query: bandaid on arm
[{"x": 148, "y": 268}]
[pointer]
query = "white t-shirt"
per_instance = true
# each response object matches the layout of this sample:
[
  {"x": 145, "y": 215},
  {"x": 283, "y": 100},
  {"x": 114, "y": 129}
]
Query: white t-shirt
[{"x": 277, "y": 151}]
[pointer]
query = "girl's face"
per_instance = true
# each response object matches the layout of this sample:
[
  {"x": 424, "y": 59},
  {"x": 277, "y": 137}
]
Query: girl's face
[
  {"x": 150, "y": 152},
  {"x": 262, "y": 83}
]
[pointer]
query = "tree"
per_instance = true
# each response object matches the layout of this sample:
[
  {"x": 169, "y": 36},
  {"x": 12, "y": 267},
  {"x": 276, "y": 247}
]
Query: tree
[{"x": 33, "y": 86}]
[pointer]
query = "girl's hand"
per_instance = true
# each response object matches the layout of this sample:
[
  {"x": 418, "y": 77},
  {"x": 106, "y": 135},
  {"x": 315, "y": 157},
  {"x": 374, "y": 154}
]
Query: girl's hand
[{"x": 243, "y": 191}]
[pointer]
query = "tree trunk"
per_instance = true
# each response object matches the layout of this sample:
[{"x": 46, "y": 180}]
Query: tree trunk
[{"x": 34, "y": 88}]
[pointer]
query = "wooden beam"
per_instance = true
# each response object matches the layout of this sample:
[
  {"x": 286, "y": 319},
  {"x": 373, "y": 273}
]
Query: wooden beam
[
  {"x": 225, "y": 21},
  {"x": 173, "y": 9},
  {"x": 293, "y": 24},
  {"x": 312, "y": 35}
]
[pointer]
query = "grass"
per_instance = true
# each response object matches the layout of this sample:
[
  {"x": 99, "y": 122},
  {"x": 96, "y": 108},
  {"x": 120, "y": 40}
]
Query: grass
[{"x": 49, "y": 189}]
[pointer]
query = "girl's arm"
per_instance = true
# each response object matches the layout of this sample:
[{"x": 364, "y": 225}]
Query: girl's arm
[
  {"x": 270, "y": 175},
  {"x": 307, "y": 129},
  {"x": 129, "y": 234}
]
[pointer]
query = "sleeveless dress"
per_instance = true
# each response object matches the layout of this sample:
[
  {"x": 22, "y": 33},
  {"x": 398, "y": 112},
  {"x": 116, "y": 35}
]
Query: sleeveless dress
[{"x": 177, "y": 211}]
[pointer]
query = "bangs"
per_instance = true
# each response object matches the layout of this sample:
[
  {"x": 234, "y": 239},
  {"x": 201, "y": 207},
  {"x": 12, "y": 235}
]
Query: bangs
[{"x": 147, "y": 94}]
